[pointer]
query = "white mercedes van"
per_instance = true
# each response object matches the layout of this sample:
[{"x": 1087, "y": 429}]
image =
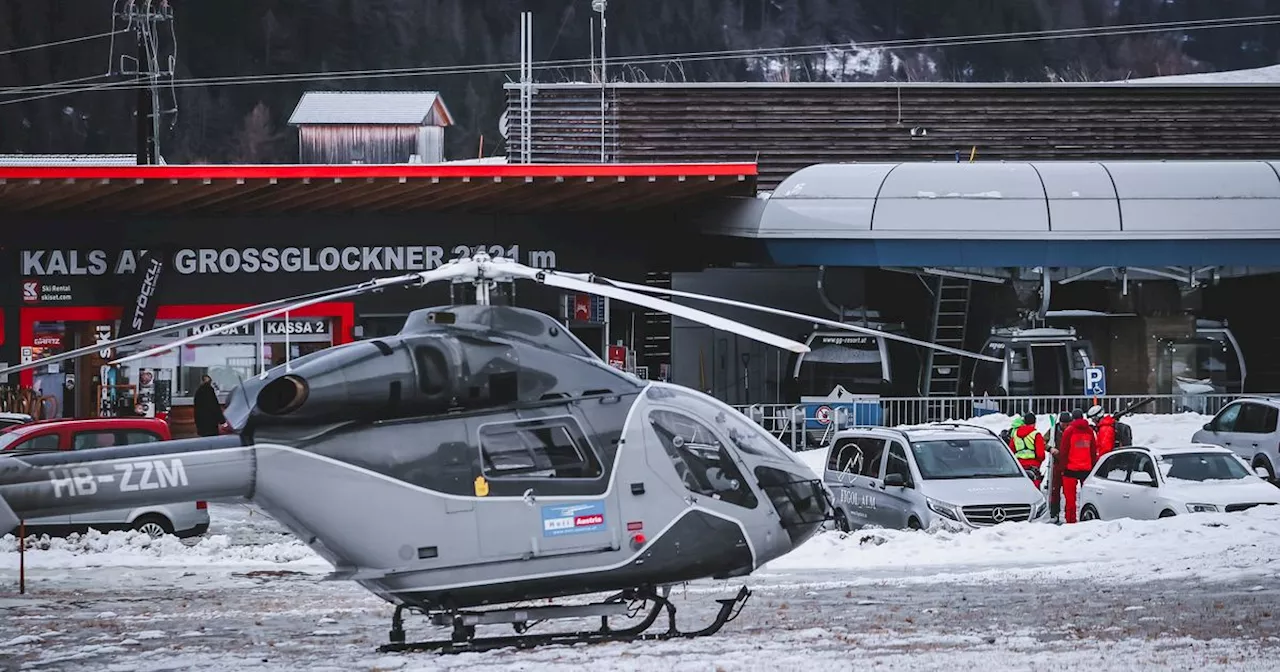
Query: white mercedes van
[{"x": 914, "y": 478}]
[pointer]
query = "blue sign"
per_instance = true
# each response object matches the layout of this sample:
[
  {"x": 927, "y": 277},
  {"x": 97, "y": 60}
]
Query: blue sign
[
  {"x": 573, "y": 518},
  {"x": 1095, "y": 381}
]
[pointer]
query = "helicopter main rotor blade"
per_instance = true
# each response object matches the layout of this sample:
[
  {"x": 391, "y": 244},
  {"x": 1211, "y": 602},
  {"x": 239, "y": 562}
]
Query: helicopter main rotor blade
[
  {"x": 798, "y": 316},
  {"x": 170, "y": 329},
  {"x": 577, "y": 284},
  {"x": 448, "y": 271}
]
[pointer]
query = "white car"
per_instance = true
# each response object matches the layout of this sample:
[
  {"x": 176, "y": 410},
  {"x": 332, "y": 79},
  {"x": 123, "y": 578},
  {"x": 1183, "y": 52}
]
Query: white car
[
  {"x": 1157, "y": 482},
  {"x": 1249, "y": 427}
]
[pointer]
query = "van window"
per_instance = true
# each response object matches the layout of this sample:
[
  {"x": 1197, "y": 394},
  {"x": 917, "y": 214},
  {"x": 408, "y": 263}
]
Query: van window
[
  {"x": 965, "y": 458},
  {"x": 1256, "y": 419},
  {"x": 83, "y": 440},
  {"x": 842, "y": 455},
  {"x": 549, "y": 448},
  {"x": 1226, "y": 420},
  {"x": 701, "y": 459},
  {"x": 106, "y": 439},
  {"x": 860, "y": 456},
  {"x": 136, "y": 436},
  {"x": 897, "y": 464},
  {"x": 43, "y": 443}
]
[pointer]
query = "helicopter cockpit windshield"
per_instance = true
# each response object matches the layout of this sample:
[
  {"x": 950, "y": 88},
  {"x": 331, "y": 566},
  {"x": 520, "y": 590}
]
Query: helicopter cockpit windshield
[{"x": 702, "y": 461}]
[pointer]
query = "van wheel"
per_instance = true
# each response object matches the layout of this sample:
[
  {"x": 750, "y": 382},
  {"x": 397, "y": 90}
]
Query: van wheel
[
  {"x": 1089, "y": 513},
  {"x": 1262, "y": 461},
  {"x": 914, "y": 524},
  {"x": 1167, "y": 514},
  {"x": 153, "y": 525},
  {"x": 842, "y": 521}
]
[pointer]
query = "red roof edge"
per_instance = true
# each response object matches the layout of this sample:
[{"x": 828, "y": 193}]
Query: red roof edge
[{"x": 353, "y": 171}]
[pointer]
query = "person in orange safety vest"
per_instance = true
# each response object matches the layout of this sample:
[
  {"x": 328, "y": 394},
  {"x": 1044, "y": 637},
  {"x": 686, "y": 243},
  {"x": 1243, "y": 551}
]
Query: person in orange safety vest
[{"x": 1027, "y": 445}]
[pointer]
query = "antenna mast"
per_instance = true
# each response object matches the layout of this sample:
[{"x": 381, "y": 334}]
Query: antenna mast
[{"x": 145, "y": 17}]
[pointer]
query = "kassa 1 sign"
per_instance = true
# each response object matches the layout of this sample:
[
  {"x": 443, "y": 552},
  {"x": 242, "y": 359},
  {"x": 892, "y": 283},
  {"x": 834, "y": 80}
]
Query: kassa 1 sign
[{"x": 618, "y": 357}]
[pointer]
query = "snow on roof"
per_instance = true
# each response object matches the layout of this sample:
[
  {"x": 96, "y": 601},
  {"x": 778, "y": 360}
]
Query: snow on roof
[
  {"x": 69, "y": 160},
  {"x": 1267, "y": 75},
  {"x": 1181, "y": 448},
  {"x": 486, "y": 161},
  {"x": 371, "y": 107}
]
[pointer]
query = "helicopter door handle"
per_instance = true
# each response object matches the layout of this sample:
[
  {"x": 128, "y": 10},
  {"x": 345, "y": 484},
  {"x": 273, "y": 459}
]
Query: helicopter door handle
[{"x": 529, "y": 497}]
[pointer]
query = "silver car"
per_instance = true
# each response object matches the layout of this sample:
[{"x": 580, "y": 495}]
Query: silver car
[
  {"x": 1248, "y": 427},
  {"x": 915, "y": 478}
]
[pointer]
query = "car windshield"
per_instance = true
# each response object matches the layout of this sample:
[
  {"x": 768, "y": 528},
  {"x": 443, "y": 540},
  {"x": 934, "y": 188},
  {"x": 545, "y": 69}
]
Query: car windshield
[
  {"x": 1202, "y": 467},
  {"x": 965, "y": 458}
]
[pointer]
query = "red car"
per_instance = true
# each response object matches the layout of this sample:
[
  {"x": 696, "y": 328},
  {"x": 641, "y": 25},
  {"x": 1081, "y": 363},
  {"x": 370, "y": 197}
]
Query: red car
[
  {"x": 184, "y": 520},
  {"x": 50, "y": 435}
]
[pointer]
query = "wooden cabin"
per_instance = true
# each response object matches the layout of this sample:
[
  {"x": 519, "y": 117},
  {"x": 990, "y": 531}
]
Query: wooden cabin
[{"x": 376, "y": 127}]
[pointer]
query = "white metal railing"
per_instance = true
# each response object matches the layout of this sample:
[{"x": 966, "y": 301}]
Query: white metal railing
[{"x": 810, "y": 425}]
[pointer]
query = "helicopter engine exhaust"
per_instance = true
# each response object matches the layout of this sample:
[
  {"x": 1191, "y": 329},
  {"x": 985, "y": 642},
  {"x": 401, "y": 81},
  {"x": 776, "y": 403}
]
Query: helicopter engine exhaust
[{"x": 283, "y": 395}]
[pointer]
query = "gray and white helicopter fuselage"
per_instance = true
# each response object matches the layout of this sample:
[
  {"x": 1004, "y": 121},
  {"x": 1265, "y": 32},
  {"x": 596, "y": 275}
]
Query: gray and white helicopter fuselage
[{"x": 406, "y": 520}]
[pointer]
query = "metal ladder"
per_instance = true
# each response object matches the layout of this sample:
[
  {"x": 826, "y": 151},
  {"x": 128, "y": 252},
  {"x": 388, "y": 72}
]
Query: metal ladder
[{"x": 950, "y": 318}]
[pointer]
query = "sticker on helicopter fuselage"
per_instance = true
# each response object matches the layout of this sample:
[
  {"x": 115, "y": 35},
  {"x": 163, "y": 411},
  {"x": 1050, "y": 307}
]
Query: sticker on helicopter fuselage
[{"x": 577, "y": 518}]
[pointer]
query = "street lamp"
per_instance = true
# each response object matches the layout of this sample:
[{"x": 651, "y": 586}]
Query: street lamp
[{"x": 599, "y": 6}]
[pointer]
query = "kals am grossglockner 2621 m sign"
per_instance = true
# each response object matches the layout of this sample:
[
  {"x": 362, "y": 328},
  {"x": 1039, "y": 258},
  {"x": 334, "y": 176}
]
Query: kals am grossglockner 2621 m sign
[{"x": 188, "y": 261}]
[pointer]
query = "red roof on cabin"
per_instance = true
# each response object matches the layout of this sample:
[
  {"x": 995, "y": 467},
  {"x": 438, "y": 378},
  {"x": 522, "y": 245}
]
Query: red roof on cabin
[{"x": 314, "y": 188}]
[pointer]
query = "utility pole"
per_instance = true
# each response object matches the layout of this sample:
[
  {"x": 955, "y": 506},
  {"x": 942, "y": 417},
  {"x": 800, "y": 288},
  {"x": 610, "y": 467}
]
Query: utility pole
[
  {"x": 145, "y": 17},
  {"x": 600, "y": 6},
  {"x": 145, "y": 108}
]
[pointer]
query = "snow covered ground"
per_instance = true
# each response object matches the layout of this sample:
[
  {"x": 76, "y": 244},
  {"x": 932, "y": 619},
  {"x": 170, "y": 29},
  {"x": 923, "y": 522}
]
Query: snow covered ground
[
  {"x": 1267, "y": 75},
  {"x": 1189, "y": 592}
]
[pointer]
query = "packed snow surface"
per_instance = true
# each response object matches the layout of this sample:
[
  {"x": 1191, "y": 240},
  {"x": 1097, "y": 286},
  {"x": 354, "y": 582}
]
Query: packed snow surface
[
  {"x": 1267, "y": 75},
  {"x": 1191, "y": 592}
]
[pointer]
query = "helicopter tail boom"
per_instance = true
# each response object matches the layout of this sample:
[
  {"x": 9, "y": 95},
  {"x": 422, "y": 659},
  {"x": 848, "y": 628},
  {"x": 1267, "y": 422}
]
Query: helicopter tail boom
[{"x": 38, "y": 485}]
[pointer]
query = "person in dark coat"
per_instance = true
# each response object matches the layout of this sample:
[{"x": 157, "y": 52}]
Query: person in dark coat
[{"x": 207, "y": 409}]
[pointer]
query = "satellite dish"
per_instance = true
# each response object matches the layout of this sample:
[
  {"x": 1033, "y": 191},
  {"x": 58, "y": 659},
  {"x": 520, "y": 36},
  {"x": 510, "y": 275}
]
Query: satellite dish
[{"x": 504, "y": 125}]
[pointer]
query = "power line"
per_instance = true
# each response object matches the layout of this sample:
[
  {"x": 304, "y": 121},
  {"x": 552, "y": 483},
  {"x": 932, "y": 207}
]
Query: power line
[
  {"x": 46, "y": 45},
  {"x": 62, "y": 88},
  {"x": 46, "y": 87}
]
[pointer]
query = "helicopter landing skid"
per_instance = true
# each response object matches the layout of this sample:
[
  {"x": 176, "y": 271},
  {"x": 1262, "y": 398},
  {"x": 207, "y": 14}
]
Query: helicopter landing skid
[{"x": 626, "y": 603}]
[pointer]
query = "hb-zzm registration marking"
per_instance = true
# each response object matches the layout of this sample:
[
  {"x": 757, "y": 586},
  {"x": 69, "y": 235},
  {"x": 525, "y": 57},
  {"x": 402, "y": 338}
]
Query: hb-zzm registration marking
[{"x": 134, "y": 476}]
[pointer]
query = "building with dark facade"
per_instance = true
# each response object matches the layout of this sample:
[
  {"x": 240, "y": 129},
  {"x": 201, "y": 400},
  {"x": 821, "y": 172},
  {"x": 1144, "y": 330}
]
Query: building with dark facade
[
  {"x": 91, "y": 247},
  {"x": 1154, "y": 200}
]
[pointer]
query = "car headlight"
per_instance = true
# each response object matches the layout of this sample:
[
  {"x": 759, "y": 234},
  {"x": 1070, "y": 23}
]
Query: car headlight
[
  {"x": 1041, "y": 509},
  {"x": 1202, "y": 508},
  {"x": 942, "y": 508}
]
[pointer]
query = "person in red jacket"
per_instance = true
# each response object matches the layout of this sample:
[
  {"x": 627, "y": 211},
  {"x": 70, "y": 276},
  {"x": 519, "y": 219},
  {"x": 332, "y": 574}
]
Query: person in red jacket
[
  {"x": 1027, "y": 445},
  {"x": 1079, "y": 454},
  {"x": 1106, "y": 434}
]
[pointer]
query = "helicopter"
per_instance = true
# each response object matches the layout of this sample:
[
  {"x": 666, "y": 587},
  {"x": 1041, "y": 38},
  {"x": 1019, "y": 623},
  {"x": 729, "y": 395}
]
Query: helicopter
[{"x": 482, "y": 458}]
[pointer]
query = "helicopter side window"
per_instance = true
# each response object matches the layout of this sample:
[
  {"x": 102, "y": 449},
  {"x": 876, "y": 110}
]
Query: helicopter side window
[
  {"x": 536, "y": 449},
  {"x": 702, "y": 461}
]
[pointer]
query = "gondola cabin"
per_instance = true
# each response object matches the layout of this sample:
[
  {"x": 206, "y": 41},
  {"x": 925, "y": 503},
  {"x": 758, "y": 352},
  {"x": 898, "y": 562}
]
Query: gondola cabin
[
  {"x": 842, "y": 377},
  {"x": 1210, "y": 362},
  {"x": 1044, "y": 361}
]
